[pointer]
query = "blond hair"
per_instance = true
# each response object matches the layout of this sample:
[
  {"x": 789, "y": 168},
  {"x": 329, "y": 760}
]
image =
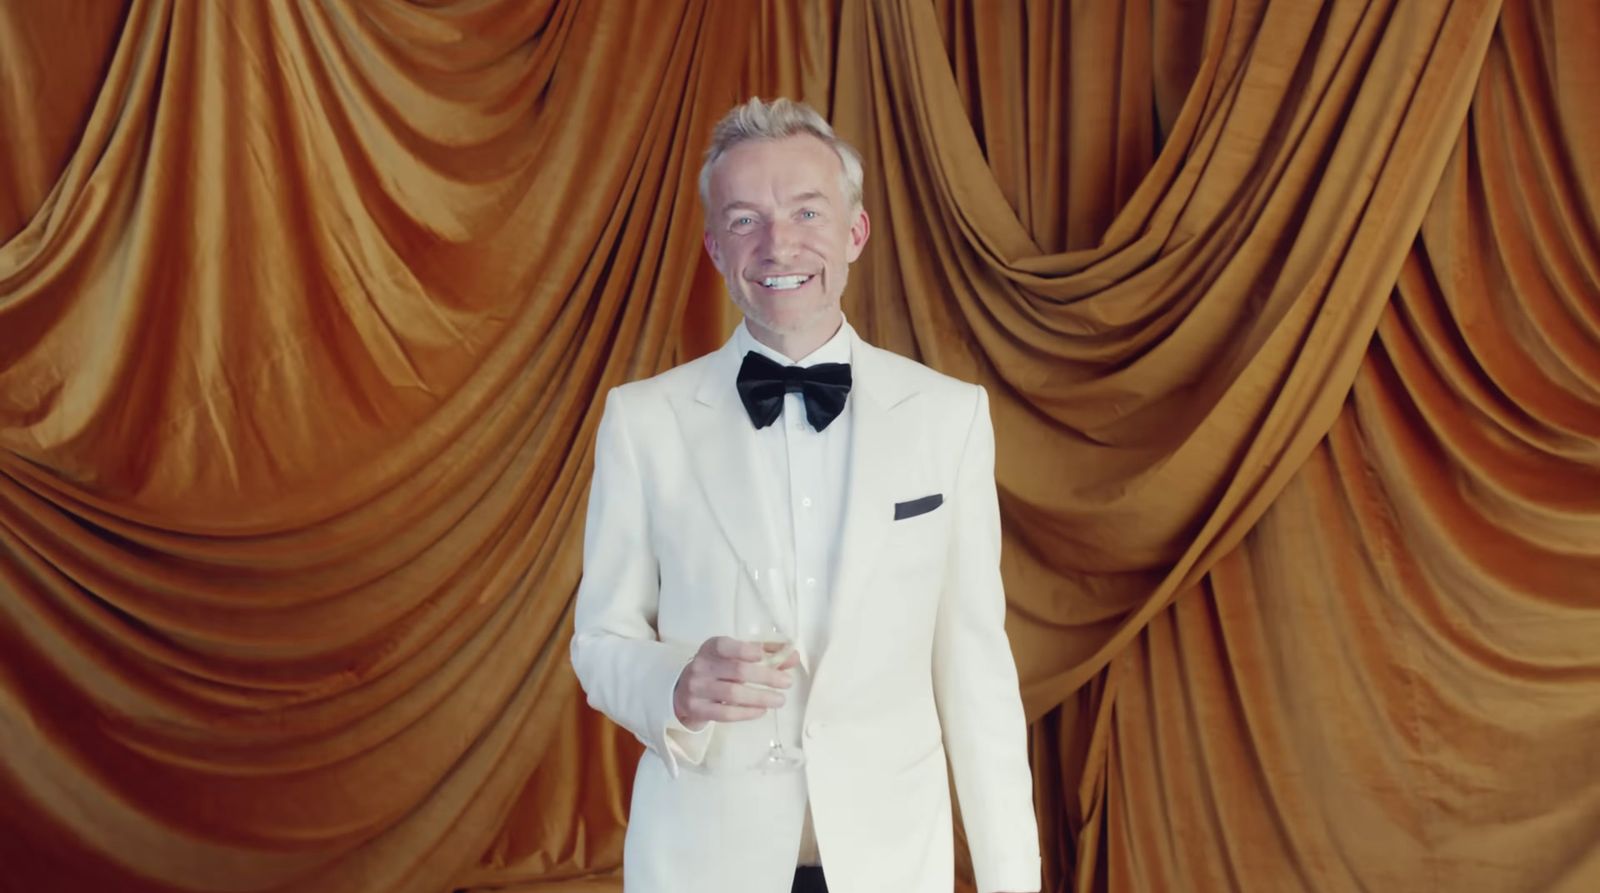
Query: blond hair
[{"x": 776, "y": 120}]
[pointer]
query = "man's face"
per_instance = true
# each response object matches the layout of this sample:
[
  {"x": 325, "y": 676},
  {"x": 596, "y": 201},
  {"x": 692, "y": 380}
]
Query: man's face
[{"x": 782, "y": 233}]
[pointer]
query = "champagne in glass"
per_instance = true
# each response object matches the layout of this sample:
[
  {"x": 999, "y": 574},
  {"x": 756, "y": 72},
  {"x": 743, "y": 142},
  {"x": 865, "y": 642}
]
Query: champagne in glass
[{"x": 758, "y": 599}]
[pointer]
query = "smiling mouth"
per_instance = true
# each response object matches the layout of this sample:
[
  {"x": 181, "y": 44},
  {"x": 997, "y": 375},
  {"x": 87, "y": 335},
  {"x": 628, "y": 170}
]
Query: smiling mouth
[{"x": 785, "y": 283}]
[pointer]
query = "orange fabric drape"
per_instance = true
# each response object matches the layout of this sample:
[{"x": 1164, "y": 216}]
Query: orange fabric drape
[
  {"x": 1404, "y": 647},
  {"x": 1288, "y": 312}
]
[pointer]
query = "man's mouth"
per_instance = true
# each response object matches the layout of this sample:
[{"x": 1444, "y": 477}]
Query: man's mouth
[{"x": 786, "y": 283}]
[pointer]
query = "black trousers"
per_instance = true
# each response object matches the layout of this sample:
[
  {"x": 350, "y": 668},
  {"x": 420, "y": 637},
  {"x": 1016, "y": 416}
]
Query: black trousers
[{"x": 809, "y": 879}]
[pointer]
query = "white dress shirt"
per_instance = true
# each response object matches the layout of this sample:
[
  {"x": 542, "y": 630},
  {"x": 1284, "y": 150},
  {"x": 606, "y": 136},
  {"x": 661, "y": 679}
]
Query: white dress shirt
[
  {"x": 810, "y": 474},
  {"x": 810, "y": 468}
]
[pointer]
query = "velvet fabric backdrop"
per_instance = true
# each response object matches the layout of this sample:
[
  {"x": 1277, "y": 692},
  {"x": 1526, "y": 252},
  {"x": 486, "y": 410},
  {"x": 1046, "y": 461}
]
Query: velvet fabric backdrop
[{"x": 1290, "y": 314}]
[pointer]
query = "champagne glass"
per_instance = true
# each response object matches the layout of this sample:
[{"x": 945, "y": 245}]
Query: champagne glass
[{"x": 755, "y": 606}]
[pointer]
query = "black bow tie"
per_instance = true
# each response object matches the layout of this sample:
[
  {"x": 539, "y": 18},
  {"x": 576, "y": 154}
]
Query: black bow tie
[{"x": 762, "y": 384}]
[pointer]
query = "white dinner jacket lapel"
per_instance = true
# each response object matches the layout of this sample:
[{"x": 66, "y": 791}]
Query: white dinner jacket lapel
[
  {"x": 878, "y": 449},
  {"x": 721, "y": 444}
]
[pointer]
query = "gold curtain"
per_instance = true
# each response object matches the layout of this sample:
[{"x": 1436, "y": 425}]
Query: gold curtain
[{"x": 1288, "y": 310}]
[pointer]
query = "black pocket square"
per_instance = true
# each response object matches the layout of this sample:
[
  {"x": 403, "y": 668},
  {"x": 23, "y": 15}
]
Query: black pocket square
[{"x": 904, "y": 510}]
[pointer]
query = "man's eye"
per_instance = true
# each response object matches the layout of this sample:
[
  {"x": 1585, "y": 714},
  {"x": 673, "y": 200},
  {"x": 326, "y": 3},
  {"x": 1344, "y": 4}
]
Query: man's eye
[
  {"x": 744, "y": 221},
  {"x": 809, "y": 214}
]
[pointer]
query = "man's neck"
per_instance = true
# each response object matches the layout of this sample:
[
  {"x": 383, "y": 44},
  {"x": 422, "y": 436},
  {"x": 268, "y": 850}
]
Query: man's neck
[{"x": 796, "y": 346}]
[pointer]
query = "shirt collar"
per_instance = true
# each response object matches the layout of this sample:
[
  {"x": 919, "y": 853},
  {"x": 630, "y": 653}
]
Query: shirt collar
[{"x": 835, "y": 350}]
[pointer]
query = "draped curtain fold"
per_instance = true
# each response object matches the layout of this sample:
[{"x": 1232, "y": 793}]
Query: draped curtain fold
[{"x": 1288, "y": 312}]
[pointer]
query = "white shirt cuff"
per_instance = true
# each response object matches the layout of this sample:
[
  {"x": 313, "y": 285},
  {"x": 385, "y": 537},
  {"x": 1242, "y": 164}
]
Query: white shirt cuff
[{"x": 687, "y": 745}]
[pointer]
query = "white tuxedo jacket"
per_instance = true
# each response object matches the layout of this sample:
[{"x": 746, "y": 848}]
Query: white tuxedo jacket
[{"x": 918, "y": 670}]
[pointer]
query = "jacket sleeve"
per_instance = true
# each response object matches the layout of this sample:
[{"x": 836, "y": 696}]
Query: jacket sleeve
[
  {"x": 975, "y": 681},
  {"x": 626, "y": 671}
]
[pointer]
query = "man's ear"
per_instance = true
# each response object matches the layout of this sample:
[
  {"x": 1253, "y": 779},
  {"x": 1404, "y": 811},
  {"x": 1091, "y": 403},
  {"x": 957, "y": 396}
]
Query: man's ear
[
  {"x": 713, "y": 250},
  {"x": 860, "y": 229}
]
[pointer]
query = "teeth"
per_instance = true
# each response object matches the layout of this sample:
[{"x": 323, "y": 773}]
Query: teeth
[{"x": 784, "y": 282}]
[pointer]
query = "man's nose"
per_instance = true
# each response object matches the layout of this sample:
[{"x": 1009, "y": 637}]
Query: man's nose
[{"x": 779, "y": 242}]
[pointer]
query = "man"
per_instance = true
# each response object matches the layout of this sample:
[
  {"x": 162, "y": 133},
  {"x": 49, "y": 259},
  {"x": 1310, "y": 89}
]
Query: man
[{"x": 848, "y": 491}]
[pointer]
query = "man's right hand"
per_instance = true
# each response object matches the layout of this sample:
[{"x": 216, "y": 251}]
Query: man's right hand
[{"x": 728, "y": 681}]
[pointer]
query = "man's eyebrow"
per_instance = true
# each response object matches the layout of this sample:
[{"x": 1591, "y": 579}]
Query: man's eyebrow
[{"x": 809, "y": 196}]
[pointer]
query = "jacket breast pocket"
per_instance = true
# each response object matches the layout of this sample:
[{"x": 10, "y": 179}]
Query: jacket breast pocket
[{"x": 919, "y": 536}]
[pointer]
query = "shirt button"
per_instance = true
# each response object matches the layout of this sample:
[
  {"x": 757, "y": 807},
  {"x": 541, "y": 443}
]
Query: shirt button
[
  {"x": 811, "y": 581},
  {"x": 805, "y": 501}
]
